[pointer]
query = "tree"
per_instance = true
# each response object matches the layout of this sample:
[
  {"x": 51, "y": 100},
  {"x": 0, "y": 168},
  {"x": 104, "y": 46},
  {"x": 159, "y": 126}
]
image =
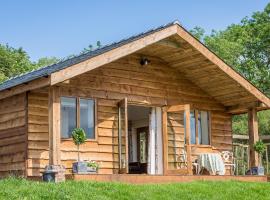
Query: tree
[
  {"x": 246, "y": 47},
  {"x": 79, "y": 137},
  {"x": 13, "y": 62},
  {"x": 46, "y": 61}
]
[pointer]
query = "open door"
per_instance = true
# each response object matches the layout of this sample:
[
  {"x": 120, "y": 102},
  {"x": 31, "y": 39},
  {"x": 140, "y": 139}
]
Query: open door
[
  {"x": 176, "y": 140},
  {"x": 123, "y": 136}
]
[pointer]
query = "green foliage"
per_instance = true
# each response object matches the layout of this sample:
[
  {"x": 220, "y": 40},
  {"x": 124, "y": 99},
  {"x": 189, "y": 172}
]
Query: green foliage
[
  {"x": 78, "y": 136},
  {"x": 91, "y": 47},
  {"x": 23, "y": 189},
  {"x": 198, "y": 32},
  {"x": 46, "y": 61},
  {"x": 93, "y": 164},
  {"x": 245, "y": 46},
  {"x": 259, "y": 147},
  {"x": 13, "y": 62},
  {"x": 240, "y": 124},
  {"x": 264, "y": 122}
]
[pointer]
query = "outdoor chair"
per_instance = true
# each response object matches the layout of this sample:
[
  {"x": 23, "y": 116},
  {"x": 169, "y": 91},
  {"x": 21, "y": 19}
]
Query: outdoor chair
[
  {"x": 182, "y": 161},
  {"x": 228, "y": 159}
]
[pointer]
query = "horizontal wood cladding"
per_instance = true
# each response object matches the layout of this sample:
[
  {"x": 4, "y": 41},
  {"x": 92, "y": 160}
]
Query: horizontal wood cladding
[
  {"x": 38, "y": 132},
  {"x": 13, "y": 135},
  {"x": 221, "y": 130},
  {"x": 203, "y": 72},
  {"x": 154, "y": 84}
]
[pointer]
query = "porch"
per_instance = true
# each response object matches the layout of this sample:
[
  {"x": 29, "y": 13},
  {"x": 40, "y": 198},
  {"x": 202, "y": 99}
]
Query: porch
[{"x": 146, "y": 179}]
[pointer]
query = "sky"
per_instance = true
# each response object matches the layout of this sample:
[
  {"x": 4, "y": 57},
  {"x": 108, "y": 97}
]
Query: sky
[{"x": 64, "y": 27}]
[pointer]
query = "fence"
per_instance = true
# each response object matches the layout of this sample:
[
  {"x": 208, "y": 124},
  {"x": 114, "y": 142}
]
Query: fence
[{"x": 241, "y": 150}]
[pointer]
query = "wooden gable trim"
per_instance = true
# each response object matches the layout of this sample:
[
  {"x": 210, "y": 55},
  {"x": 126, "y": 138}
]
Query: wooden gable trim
[
  {"x": 35, "y": 84},
  {"x": 184, "y": 34},
  {"x": 112, "y": 55}
]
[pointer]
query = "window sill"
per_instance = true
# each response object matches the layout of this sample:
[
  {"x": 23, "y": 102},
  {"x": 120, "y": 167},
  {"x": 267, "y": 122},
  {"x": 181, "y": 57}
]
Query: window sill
[
  {"x": 70, "y": 139},
  {"x": 201, "y": 145}
]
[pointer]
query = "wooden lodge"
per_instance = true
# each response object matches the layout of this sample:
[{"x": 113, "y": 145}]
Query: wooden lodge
[{"x": 143, "y": 102}]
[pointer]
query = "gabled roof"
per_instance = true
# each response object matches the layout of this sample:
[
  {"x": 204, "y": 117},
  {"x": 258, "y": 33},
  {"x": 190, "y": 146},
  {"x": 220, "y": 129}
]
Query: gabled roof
[
  {"x": 48, "y": 70},
  {"x": 204, "y": 62}
]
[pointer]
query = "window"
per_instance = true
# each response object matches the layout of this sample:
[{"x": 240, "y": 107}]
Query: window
[
  {"x": 87, "y": 117},
  {"x": 203, "y": 127},
  {"x": 77, "y": 112},
  {"x": 202, "y": 124},
  {"x": 192, "y": 127},
  {"x": 68, "y": 116}
]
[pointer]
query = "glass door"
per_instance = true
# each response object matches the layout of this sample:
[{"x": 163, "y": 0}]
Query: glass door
[{"x": 123, "y": 136}]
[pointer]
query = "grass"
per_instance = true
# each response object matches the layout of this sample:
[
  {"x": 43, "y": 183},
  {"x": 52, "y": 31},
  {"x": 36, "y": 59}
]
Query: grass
[{"x": 13, "y": 188}]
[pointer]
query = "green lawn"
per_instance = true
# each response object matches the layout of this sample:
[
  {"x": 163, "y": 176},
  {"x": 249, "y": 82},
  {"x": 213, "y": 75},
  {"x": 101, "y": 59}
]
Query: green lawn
[{"x": 21, "y": 189}]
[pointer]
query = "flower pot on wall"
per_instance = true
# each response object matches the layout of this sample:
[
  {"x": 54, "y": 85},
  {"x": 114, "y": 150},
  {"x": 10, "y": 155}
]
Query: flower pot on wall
[
  {"x": 79, "y": 167},
  {"x": 258, "y": 171},
  {"x": 91, "y": 169}
]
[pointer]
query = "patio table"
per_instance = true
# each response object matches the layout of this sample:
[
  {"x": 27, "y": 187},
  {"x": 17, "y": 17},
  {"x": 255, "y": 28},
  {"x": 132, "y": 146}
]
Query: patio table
[{"x": 212, "y": 162}]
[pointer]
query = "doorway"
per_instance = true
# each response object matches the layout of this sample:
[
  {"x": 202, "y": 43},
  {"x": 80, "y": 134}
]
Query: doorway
[
  {"x": 138, "y": 134},
  {"x": 144, "y": 140}
]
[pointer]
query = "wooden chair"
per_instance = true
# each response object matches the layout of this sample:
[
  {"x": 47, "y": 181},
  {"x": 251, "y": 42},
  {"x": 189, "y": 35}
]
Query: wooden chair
[
  {"x": 228, "y": 159},
  {"x": 182, "y": 160}
]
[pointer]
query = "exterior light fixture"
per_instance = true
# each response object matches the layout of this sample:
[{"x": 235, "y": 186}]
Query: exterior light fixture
[{"x": 144, "y": 61}]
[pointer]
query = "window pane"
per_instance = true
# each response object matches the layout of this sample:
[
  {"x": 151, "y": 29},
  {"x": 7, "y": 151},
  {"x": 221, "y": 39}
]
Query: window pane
[
  {"x": 203, "y": 127},
  {"x": 68, "y": 116},
  {"x": 192, "y": 128},
  {"x": 87, "y": 117}
]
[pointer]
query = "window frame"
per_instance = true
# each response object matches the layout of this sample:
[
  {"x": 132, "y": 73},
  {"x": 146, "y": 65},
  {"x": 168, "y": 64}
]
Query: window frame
[
  {"x": 197, "y": 142},
  {"x": 77, "y": 98}
]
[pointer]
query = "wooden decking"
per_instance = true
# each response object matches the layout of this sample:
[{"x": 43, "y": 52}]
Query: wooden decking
[{"x": 142, "y": 179}]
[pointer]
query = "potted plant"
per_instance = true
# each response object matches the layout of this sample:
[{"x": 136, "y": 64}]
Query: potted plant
[
  {"x": 92, "y": 167},
  {"x": 260, "y": 148},
  {"x": 79, "y": 137}
]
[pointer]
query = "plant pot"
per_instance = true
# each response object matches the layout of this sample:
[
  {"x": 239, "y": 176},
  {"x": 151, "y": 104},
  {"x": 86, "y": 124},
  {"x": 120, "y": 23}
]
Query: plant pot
[
  {"x": 79, "y": 167},
  {"x": 92, "y": 169},
  {"x": 257, "y": 171}
]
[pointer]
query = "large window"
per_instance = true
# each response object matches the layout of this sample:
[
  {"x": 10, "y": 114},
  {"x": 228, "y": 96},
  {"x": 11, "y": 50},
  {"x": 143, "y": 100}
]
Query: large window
[
  {"x": 199, "y": 127},
  {"x": 87, "y": 110},
  {"x": 77, "y": 112},
  {"x": 68, "y": 116}
]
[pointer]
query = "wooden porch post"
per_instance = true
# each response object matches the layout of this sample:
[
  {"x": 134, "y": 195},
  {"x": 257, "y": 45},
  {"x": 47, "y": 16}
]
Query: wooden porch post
[
  {"x": 253, "y": 136},
  {"x": 189, "y": 161},
  {"x": 54, "y": 126}
]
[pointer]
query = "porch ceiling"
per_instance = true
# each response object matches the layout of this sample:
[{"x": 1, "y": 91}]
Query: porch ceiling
[{"x": 202, "y": 72}]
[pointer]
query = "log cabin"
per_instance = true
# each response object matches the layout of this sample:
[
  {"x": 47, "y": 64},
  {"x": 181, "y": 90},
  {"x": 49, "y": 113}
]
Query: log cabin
[{"x": 142, "y": 102}]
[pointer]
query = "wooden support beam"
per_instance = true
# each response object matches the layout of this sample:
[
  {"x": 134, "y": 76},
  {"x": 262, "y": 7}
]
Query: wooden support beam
[
  {"x": 243, "y": 108},
  {"x": 253, "y": 136},
  {"x": 54, "y": 125},
  {"x": 165, "y": 140},
  {"x": 188, "y": 146}
]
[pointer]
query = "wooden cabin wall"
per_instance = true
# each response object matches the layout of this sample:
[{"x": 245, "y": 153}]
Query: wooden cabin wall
[
  {"x": 13, "y": 135},
  {"x": 154, "y": 84},
  {"x": 38, "y": 132}
]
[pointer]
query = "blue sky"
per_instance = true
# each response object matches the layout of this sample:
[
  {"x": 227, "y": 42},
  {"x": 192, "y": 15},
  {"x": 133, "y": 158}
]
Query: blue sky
[{"x": 60, "y": 28}]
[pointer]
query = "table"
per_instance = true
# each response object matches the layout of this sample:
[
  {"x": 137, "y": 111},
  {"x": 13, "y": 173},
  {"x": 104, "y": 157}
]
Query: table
[{"x": 212, "y": 162}]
